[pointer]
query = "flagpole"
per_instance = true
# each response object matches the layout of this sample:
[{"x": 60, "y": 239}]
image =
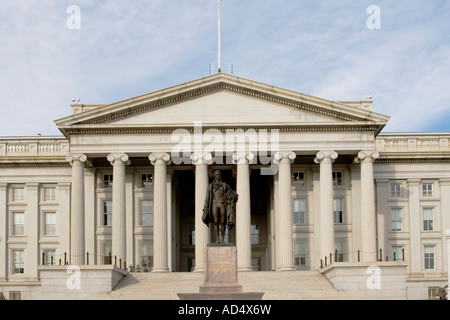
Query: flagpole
[{"x": 219, "y": 65}]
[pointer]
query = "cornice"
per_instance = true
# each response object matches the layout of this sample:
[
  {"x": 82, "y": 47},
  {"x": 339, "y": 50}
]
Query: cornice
[
  {"x": 104, "y": 115},
  {"x": 291, "y": 129},
  {"x": 34, "y": 165},
  {"x": 216, "y": 88}
]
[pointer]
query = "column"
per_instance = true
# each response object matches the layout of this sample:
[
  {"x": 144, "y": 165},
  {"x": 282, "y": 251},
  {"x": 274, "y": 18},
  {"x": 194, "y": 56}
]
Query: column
[
  {"x": 33, "y": 257},
  {"x": 415, "y": 227},
  {"x": 283, "y": 224},
  {"x": 119, "y": 248},
  {"x": 447, "y": 236},
  {"x": 77, "y": 229},
  {"x": 445, "y": 216},
  {"x": 326, "y": 228},
  {"x": 3, "y": 230},
  {"x": 160, "y": 243},
  {"x": 382, "y": 214},
  {"x": 243, "y": 208},
  {"x": 368, "y": 220},
  {"x": 201, "y": 185}
]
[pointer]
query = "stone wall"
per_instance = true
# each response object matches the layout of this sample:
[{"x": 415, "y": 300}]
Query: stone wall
[{"x": 377, "y": 280}]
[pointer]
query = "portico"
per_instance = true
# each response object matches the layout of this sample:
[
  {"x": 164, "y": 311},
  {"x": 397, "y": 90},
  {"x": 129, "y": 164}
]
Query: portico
[{"x": 207, "y": 124}]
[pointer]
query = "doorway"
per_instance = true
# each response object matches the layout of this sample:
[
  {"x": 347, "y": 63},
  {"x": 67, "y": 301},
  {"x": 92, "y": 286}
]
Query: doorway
[{"x": 184, "y": 201}]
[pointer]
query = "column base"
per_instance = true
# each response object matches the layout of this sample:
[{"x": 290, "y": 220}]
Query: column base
[
  {"x": 160, "y": 270},
  {"x": 245, "y": 269},
  {"x": 199, "y": 270},
  {"x": 285, "y": 268}
]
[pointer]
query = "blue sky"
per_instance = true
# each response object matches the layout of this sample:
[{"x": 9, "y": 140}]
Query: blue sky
[{"x": 318, "y": 47}]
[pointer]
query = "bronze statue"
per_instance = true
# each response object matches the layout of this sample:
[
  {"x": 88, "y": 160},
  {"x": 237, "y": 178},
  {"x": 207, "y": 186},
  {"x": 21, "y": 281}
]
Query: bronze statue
[{"x": 220, "y": 206}]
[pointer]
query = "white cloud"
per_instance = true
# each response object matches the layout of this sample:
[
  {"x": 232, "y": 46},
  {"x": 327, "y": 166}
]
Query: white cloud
[{"x": 129, "y": 48}]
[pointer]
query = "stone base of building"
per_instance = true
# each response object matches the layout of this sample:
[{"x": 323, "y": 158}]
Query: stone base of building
[
  {"x": 77, "y": 282},
  {"x": 375, "y": 280}
]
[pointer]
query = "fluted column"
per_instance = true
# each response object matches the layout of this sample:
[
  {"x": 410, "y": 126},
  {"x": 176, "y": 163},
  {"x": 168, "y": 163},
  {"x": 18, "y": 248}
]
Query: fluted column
[
  {"x": 368, "y": 221},
  {"x": 77, "y": 227},
  {"x": 119, "y": 161},
  {"x": 283, "y": 223},
  {"x": 243, "y": 208},
  {"x": 201, "y": 185},
  {"x": 326, "y": 230},
  {"x": 160, "y": 243}
]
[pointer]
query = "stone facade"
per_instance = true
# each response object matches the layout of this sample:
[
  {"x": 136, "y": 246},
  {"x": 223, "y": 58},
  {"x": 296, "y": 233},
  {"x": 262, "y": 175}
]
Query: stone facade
[{"x": 317, "y": 180}]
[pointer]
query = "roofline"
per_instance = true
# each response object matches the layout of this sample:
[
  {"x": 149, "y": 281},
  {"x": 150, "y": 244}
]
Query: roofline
[
  {"x": 228, "y": 80},
  {"x": 32, "y": 138}
]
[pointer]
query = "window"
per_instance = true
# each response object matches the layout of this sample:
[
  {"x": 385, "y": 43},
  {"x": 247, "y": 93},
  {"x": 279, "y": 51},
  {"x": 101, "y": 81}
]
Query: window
[
  {"x": 254, "y": 234},
  {"x": 299, "y": 211},
  {"x": 298, "y": 178},
  {"x": 398, "y": 253},
  {"x": 191, "y": 233},
  {"x": 49, "y": 257},
  {"x": 337, "y": 211},
  {"x": 337, "y": 178},
  {"x": 396, "y": 190},
  {"x": 49, "y": 194},
  {"x": 107, "y": 213},
  {"x": 18, "y": 194},
  {"x": 429, "y": 257},
  {"x": 339, "y": 247},
  {"x": 15, "y": 295},
  {"x": 427, "y": 190},
  {"x": 433, "y": 292},
  {"x": 146, "y": 213},
  {"x": 106, "y": 253},
  {"x": 107, "y": 180},
  {"x": 300, "y": 253},
  {"x": 18, "y": 224},
  {"x": 396, "y": 219},
  {"x": 18, "y": 267},
  {"x": 190, "y": 262},
  {"x": 50, "y": 224},
  {"x": 256, "y": 263},
  {"x": 428, "y": 219},
  {"x": 146, "y": 255},
  {"x": 146, "y": 179}
]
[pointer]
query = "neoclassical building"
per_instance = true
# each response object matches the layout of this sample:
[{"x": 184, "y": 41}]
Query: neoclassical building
[{"x": 318, "y": 182}]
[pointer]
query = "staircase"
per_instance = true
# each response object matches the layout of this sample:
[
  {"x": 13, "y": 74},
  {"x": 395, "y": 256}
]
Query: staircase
[{"x": 296, "y": 285}]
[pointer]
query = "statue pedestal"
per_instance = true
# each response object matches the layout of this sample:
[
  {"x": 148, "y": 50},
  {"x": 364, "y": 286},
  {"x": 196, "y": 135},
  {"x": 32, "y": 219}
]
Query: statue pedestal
[{"x": 221, "y": 277}]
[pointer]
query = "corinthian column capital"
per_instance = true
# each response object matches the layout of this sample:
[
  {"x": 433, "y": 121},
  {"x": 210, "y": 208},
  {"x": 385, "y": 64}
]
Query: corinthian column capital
[{"x": 325, "y": 155}]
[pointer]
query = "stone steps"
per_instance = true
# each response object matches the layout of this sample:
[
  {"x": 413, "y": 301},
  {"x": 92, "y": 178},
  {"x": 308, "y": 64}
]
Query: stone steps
[{"x": 296, "y": 285}]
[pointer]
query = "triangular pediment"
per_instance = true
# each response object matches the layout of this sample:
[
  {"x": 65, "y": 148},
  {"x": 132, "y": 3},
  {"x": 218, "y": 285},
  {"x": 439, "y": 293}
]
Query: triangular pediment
[{"x": 221, "y": 100}]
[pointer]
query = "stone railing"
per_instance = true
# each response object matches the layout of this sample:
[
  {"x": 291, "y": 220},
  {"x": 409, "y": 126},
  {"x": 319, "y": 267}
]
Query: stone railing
[
  {"x": 427, "y": 142},
  {"x": 42, "y": 146}
]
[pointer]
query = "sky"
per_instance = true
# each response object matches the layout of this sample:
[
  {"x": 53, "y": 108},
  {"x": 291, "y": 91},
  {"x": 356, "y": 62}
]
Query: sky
[{"x": 104, "y": 51}]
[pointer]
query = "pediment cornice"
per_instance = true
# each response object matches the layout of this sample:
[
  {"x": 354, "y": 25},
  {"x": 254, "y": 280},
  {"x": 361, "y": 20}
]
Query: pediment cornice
[{"x": 102, "y": 116}]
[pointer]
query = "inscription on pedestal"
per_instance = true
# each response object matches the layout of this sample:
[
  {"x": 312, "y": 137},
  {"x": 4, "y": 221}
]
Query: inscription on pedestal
[
  {"x": 221, "y": 264},
  {"x": 221, "y": 277},
  {"x": 221, "y": 269}
]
